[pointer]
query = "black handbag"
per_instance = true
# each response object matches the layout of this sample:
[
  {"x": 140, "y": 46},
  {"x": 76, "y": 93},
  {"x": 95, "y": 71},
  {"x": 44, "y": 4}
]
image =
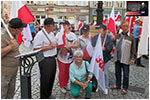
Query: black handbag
[{"x": 93, "y": 80}]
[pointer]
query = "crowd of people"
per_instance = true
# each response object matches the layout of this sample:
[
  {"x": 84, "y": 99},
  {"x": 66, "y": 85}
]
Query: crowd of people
[{"x": 69, "y": 56}]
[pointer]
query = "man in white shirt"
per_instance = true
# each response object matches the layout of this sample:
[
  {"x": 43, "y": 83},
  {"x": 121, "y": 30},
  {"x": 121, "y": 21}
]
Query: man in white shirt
[{"x": 48, "y": 65}]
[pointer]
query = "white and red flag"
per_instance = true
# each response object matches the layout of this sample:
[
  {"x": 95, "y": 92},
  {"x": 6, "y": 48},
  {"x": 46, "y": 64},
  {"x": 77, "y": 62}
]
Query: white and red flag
[
  {"x": 88, "y": 51},
  {"x": 20, "y": 10},
  {"x": 104, "y": 20},
  {"x": 118, "y": 16},
  {"x": 97, "y": 64},
  {"x": 131, "y": 24},
  {"x": 143, "y": 38},
  {"x": 127, "y": 19},
  {"x": 111, "y": 23},
  {"x": 79, "y": 25}
]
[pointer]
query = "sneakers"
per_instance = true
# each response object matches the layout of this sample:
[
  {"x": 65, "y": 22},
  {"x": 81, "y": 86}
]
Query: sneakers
[
  {"x": 106, "y": 91},
  {"x": 63, "y": 90},
  {"x": 67, "y": 88}
]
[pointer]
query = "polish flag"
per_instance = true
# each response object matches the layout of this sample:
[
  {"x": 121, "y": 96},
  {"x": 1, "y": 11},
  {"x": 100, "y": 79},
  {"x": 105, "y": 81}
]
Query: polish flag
[
  {"x": 97, "y": 65},
  {"x": 111, "y": 23},
  {"x": 79, "y": 25},
  {"x": 132, "y": 20},
  {"x": 143, "y": 39},
  {"x": 118, "y": 16},
  {"x": 88, "y": 51},
  {"x": 20, "y": 10},
  {"x": 104, "y": 21},
  {"x": 127, "y": 19},
  {"x": 61, "y": 38}
]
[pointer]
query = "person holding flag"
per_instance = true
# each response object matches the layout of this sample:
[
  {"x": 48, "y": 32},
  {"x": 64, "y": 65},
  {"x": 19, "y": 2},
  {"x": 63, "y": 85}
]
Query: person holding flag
[
  {"x": 125, "y": 54},
  {"x": 46, "y": 41},
  {"x": 107, "y": 48},
  {"x": 10, "y": 49},
  {"x": 67, "y": 42}
]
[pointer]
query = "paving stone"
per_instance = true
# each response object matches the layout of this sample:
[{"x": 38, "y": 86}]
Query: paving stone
[{"x": 139, "y": 83}]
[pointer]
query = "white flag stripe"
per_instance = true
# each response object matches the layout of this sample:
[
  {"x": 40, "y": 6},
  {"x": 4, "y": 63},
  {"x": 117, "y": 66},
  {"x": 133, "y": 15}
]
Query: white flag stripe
[
  {"x": 27, "y": 37},
  {"x": 60, "y": 36},
  {"x": 143, "y": 44}
]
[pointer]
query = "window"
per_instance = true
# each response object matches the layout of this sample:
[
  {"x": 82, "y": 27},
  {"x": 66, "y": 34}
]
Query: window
[
  {"x": 60, "y": 2},
  {"x": 71, "y": 3},
  {"x": 82, "y": 3},
  {"x": 119, "y": 4},
  {"x": 108, "y": 3}
]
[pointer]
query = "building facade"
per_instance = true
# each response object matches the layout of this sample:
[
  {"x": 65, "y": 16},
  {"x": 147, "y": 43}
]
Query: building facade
[
  {"x": 74, "y": 11},
  {"x": 107, "y": 6},
  {"x": 5, "y": 10}
]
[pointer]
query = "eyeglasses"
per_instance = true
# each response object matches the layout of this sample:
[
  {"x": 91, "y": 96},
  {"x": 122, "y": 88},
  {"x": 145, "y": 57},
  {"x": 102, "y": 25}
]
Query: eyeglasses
[{"x": 78, "y": 56}]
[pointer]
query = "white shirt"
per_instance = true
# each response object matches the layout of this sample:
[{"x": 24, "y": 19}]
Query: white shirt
[
  {"x": 41, "y": 40},
  {"x": 69, "y": 37}
]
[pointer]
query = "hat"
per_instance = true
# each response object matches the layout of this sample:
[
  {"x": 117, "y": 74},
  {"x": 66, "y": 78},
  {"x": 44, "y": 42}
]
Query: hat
[
  {"x": 85, "y": 28},
  {"x": 137, "y": 20},
  {"x": 66, "y": 22},
  {"x": 48, "y": 21},
  {"x": 102, "y": 26},
  {"x": 16, "y": 23}
]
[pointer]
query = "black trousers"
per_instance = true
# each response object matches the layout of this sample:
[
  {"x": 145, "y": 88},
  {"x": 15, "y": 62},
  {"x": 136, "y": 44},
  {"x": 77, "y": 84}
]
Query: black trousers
[{"x": 47, "y": 71}]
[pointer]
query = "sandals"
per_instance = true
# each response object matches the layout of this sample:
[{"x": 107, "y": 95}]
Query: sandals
[
  {"x": 115, "y": 87},
  {"x": 124, "y": 91}
]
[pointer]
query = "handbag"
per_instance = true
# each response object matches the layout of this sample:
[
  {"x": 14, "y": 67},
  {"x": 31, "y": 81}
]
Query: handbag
[{"x": 93, "y": 80}]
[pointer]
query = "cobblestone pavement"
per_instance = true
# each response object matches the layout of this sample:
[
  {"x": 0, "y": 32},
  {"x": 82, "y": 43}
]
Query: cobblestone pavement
[{"x": 138, "y": 85}]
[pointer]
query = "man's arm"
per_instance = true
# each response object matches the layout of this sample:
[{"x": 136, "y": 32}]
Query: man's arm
[{"x": 8, "y": 48}]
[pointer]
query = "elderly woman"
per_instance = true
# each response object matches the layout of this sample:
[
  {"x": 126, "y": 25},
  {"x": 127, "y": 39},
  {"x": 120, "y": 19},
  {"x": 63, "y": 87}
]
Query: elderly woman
[{"x": 79, "y": 75}]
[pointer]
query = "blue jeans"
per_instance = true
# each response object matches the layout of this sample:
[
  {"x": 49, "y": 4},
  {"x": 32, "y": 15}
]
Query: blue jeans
[{"x": 118, "y": 69}]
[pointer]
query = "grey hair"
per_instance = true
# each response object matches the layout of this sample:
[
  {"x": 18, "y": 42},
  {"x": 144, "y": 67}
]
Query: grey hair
[{"x": 78, "y": 51}]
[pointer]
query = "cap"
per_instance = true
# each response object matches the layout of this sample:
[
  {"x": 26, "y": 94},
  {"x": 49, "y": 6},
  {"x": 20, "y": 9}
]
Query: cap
[
  {"x": 48, "y": 21},
  {"x": 102, "y": 26},
  {"x": 85, "y": 28},
  {"x": 16, "y": 23},
  {"x": 66, "y": 22}
]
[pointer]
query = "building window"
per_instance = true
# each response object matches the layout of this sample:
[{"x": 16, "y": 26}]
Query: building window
[
  {"x": 82, "y": 3},
  {"x": 120, "y": 4},
  {"x": 60, "y": 2},
  {"x": 71, "y": 3},
  {"x": 108, "y": 3}
]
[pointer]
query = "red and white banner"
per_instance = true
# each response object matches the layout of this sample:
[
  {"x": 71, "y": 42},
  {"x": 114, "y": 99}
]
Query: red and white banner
[
  {"x": 20, "y": 10},
  {"x": 143, "y": 38},
  {"x": 118, "y": 16},
  {"x": 111, "y": 23},
  {"x": 97, "y": 65}
]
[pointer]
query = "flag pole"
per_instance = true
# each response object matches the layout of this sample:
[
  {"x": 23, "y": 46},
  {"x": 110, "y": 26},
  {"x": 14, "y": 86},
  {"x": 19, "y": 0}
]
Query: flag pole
[
  {"x": 43, "y": 31},
  {"x": 105, "y": 39},
  {"x": 7, "y": 29}
]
